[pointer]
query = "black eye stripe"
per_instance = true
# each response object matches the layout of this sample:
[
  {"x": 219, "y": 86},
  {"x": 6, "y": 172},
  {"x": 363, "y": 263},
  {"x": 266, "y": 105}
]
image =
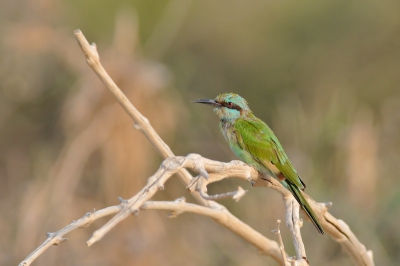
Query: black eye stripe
[{"x": 231, "y": 105}]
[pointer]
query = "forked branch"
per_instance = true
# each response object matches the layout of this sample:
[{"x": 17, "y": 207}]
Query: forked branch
[{"x": 155, "y": 183}]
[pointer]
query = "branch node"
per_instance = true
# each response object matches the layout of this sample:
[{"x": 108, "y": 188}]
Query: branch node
[
  {"x": 145, "y": 120},
  {"x": 300, "y": 222},
  {"x": 181, "y": 200},
  {"x": 276, "y": 230},
  {"x": 137, "y": 127},
  {"x": 161, "y": 187},
  {"x": 122, "y": 201},
  {"x": 326, "y": 206},
  {"x": 173, "y": 214},
  {"x": 198, "y": 165},
  {"x": 135, "y": 212},
  {"x": 59, "y": 241},
  {"x": 192, "y": 182},
  {"x": 88, "y": 214}
]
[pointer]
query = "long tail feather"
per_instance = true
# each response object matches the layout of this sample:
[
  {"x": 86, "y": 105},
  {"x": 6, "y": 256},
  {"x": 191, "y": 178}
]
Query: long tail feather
[{"x": 305, "y": 206}]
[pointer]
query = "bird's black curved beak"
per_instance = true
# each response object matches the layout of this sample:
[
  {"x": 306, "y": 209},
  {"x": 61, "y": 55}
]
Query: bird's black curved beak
[{"x": 207, "y": 101}]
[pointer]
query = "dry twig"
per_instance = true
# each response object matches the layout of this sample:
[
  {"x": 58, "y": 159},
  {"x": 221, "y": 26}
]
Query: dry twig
[
  {"x": 277, "y": 231},
  {"x": 155, "y": 183},
  {"x": 294, "y": 223}
]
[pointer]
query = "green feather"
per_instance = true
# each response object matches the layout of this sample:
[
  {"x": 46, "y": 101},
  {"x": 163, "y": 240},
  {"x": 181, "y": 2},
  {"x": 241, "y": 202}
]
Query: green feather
[{"x": 260, "y": 141}]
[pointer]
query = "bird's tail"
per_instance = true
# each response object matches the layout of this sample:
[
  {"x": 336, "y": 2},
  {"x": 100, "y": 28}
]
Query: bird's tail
[{"x": 304, "y": 205}]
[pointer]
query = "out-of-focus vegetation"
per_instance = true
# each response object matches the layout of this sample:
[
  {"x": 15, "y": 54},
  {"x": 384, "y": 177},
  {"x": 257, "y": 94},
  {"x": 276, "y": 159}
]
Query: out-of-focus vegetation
[{"x": 324, "y": 75}]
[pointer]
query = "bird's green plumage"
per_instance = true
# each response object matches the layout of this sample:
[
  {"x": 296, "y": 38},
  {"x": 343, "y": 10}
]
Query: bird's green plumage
[
  {"x": 256, "y": 144},
  {"x": 259, "y": 140}
]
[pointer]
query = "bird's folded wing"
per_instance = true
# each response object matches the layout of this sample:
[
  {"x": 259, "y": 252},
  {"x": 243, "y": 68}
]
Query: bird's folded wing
[{"x": 260, "y": 141}]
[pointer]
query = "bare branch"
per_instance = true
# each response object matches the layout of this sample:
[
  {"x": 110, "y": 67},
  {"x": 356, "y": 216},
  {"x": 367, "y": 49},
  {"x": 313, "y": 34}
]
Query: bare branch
[
  {"x": 156, "y": 183},
  {"x": 58, "y": 237},
  {"x": 169, "y": 167},
  {"x": 180, "y": 206},
  {"x": 166, "y": 170},
  {"x": 281, "y": 246},
  {"x": 93, "y": 60},
  {"x": 236, "y": 195},
  {"x": 294, "y": 223}
]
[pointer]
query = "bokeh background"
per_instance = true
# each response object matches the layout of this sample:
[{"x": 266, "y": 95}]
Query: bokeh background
[{"x": 324, "y": 75}]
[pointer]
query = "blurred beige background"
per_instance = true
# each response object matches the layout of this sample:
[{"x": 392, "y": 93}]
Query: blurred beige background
[{"x": 324, "y": 75}]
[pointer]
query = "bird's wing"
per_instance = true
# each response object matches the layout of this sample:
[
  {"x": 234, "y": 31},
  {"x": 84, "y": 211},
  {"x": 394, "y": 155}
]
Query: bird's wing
[{"x": 260, "y": 141}]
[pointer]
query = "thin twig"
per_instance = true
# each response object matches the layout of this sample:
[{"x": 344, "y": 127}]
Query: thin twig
[
  {"x": 236, "y": 195},
  {"x": 54, "y": 239},
  {"x": 156, "y": 183},
  {"x": 294, "y": 222},
  {"x": 337, "y": 229},
  {"x": 281, "y": 246}
]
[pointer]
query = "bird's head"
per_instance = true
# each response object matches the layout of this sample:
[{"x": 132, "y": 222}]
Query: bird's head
[{"x": 228, "y": 106}]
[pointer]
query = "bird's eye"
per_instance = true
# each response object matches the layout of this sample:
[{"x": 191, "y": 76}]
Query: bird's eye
[{"x": 230, "y": 104}]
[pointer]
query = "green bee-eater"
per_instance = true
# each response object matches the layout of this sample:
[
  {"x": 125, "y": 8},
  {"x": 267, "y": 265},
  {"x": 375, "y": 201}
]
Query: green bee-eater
[{"x": 255, "y": 144}]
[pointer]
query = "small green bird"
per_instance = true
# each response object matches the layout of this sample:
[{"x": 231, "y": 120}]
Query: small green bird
[{"x": 255, "y": 144}]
